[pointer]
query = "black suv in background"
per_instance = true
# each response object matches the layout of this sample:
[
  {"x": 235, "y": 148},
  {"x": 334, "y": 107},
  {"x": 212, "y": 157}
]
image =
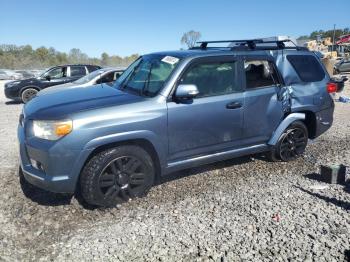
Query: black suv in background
[{"x": 24, "y": 90}]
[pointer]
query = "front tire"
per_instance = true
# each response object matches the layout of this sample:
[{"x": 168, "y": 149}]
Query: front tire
[
  {"x": 28, "y": 94},
  {"x": 116, "y": 175},
  {"x": 291, "y": 144}
]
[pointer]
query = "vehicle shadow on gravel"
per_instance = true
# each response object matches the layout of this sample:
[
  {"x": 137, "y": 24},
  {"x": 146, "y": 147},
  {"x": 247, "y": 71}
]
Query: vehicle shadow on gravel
[
  {"x": 203, "y": 169},
  {"x": 340, "y": 203},
  {"x": 41, "y": 196},
  {"x": 13, "y": 102}
]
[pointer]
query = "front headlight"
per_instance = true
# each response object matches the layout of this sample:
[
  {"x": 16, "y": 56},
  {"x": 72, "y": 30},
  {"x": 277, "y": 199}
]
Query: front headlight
[{"x": 52, "y": 130}]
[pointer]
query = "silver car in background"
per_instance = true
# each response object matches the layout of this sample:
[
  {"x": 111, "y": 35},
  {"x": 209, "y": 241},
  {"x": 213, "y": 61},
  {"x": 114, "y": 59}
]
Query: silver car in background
[
  {"x": 7, "y": 74},
  {"x": 104, "y": 75}
]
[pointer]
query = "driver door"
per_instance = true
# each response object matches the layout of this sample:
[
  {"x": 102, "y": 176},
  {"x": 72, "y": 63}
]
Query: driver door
[
  {"x": 55, "y": 76},
  {"x": 213, "y": 120}
]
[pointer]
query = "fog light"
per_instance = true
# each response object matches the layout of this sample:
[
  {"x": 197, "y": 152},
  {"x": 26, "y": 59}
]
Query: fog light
[{"x": 36, "y": 164}]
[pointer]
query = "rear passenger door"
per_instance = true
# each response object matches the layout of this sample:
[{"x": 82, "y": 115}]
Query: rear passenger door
[
  {"x": 213, "y": 120},
  {"x": 263, "y": 110}
]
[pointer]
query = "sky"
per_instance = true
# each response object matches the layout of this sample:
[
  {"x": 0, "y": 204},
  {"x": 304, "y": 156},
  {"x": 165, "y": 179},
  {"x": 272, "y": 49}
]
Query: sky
[{"x": 135, "y": 26}]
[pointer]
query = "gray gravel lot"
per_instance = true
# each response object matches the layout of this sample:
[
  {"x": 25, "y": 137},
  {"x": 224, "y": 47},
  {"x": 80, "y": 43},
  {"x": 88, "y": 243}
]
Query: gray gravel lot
[{"x": 220, "y": 212}]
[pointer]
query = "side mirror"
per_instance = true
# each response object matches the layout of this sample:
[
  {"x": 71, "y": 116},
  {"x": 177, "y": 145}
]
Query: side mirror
[
  {"x": 186, "y": 91},
  {"x": 48, "y": 78}
]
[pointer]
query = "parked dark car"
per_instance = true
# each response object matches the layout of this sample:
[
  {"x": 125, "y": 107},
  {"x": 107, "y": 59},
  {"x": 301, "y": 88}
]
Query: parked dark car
[
  {"x": 25, "y": 90},
  {"x": 342, "y": 66}
]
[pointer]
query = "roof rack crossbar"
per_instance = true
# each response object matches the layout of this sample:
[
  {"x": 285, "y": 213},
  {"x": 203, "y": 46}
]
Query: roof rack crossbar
[{"x": 251, "y": 44}]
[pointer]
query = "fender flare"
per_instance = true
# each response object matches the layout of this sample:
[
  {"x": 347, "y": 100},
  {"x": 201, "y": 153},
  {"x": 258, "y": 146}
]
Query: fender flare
[
  {"x": 283, "y": 125},
  {"x": 147, "y": 135}
]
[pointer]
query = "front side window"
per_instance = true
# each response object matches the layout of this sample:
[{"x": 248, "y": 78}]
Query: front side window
[
  {"x": 147, "y": 75},
  {"x": 260, "y": 73},
  {"x": 107, "y": 78},
  {"x": 307, "y": 67},
  {"x": 77, "y": 71},
  {"x": 56, "y": 73},
  {"x": 212, "y": 78}
]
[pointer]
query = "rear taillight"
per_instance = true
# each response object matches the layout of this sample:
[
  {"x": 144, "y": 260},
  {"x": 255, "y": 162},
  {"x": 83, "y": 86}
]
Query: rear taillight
[{"x": 332, "y": 87}]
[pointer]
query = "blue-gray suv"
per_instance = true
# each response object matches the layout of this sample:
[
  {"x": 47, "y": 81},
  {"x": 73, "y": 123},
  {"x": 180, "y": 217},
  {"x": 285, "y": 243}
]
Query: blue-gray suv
[{"x": 175, "y": 110}]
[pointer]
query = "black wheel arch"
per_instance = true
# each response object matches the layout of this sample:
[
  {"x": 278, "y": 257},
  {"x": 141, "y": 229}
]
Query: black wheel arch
[{"x": 310, "y": 122}]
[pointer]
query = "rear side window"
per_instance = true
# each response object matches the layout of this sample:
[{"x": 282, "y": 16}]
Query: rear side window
[
  {"x": 260, "y": 73},
  {"x": 307, "y": 67},
  {"x": 212, "y": 79},
  {"x": 77, "y": 71}
]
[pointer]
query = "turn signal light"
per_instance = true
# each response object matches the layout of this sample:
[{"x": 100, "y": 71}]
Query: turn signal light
[{"x": 332, "y": 87}]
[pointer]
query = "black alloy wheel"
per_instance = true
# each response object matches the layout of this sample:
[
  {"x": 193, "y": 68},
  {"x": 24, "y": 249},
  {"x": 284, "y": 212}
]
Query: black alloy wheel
[
  {"x": 293, "y": 142},
  {"x": 116, "y": 175}
]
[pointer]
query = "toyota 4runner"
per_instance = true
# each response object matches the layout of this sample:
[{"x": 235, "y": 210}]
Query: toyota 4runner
[{"x": 175, "y": 110}]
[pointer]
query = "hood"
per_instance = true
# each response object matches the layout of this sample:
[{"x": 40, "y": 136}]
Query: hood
[
  {"x": 57, "y": 88},
  {"x": 58, "y": 104},
  {"x": 27, "y": 81}
]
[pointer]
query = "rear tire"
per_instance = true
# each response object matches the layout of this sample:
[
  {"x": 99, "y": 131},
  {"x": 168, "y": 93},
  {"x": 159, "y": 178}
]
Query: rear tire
[
  {"x": 116, "y": 175},
  {"x": 291, "y": 144},
  {"x": 28, "y": 94}
]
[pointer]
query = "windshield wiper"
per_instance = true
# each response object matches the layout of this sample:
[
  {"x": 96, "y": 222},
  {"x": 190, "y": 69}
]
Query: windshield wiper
[
  {"x": 124, "y": 83},
  {"x": 146, "y": 84}
]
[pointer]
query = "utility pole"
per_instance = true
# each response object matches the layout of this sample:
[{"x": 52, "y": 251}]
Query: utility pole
[{"x": 333, "y": 37}]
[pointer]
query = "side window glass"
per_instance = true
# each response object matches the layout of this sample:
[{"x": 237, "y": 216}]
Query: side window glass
[
  {"x": 107, "y": 78},
  {"x": 260, "y": 73},
  {"x": 77, "y": 71},
  {"x": 307, "y": 67},
  {"x": 58, "y": 72},
  {"x": 117, "y": 75},
  {"x": 212, "y": 79}
]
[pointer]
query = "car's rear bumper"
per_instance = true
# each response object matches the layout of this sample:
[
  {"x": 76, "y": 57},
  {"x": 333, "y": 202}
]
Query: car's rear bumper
[{"x": 49, "y": 165}]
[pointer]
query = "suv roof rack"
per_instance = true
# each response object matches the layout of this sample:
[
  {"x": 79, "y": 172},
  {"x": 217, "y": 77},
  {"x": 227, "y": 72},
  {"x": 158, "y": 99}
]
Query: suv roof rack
[{"x": 250, "y": 44}]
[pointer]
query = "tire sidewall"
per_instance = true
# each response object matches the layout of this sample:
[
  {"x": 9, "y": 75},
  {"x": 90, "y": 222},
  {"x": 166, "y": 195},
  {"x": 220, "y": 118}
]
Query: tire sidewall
[
  {"x": 102, "y": 160},
  {"x": 296, "y": 124},
  {"x": 26, "y": 90}
]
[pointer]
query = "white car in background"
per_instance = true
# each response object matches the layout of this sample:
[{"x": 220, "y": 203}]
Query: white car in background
[
  {"x": 100, "y": 76},
  {"x": 7, "y": 74}
]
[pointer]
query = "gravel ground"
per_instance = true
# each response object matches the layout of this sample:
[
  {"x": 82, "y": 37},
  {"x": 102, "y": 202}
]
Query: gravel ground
[{"x": 242, "y": 209}]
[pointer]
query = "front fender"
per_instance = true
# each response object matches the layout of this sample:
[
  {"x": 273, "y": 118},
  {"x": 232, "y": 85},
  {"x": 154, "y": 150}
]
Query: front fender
[
  {"x": 127, "y": 136},
  {"x": 283, "y": 125}
]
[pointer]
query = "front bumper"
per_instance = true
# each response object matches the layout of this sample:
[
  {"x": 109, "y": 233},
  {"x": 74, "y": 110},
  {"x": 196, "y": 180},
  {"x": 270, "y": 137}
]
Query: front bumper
[
  {"x": 10, "y": 93},
  {"x": 57, "y": 167}
]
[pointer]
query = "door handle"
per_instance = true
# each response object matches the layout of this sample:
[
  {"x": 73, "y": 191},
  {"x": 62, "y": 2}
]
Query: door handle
[{"x": 234, "y": 105}]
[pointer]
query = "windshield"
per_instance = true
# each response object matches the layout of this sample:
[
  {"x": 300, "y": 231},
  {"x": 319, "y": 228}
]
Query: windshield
[
  {"x": 89, "y": 77},
  {"x": 147, "y": 75}
]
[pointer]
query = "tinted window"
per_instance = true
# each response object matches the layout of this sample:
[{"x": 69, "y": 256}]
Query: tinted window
[
  {"x": 77, "y": 71},
  {"x": 212, "y": 78},
  {"x": 107, "y": 78},
  {"x": 56, "y": 73},
  {"x": 307, "y": 67},
  {"x": 260, "y": 73}
]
